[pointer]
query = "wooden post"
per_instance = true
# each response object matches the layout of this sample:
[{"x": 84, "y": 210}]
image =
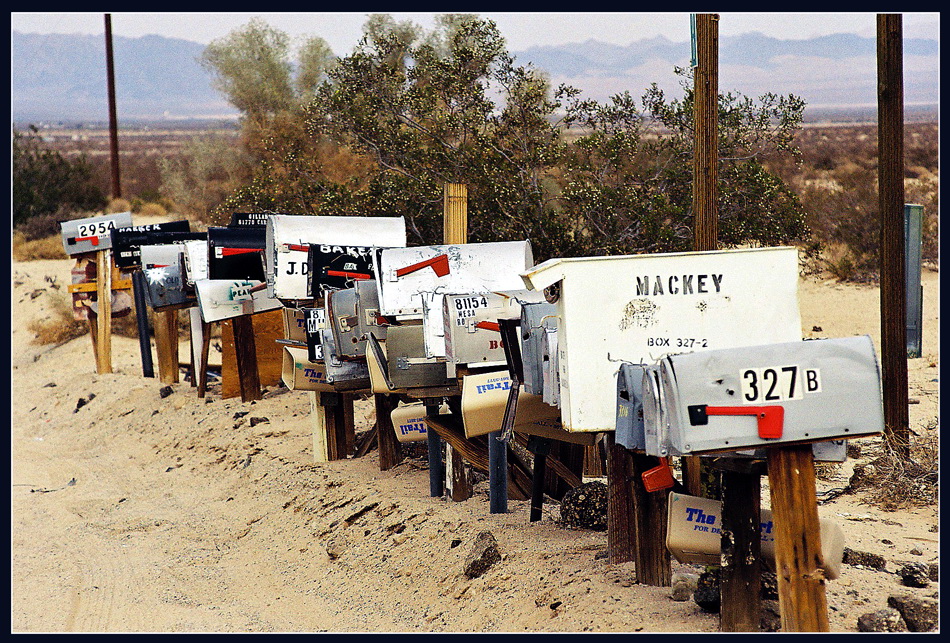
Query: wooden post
[
  {"x": 457, "y": 473},
  {"x": 246, "y": 353},
  {"x": 338, "y": 413},
  {"x": 890, "y": 137},
  {"x": 540, "y": 447},
  {"x": 650, "y": 555},
  {"x": 740, "y": 574},
  {"x": 798, "y": 558},
  {"x": 113, "y": 121},
  {"x": 141, "y": 318},
  {"x": 390, "y": 449},
  {"x": 621, "y": 536},
  {"x": 318, "y": 426},
  {"x": 104, "y": 300},
  {"x": 166, "y": 345},
  {"x": 434, "y": 442},
  {"x": 203, "y": 358}
]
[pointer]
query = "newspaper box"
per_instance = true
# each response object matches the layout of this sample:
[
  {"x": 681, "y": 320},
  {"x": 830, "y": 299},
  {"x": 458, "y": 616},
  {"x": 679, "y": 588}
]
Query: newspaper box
[
  {"x": 409, "y": 421},
  {"x": 163, "y": 268},
  {"x": 127, "y": 241},
  {"x": 471, "y": 325},
  {"x": 300, "y": 374},
  {"x": 412, "y": 281},
  {"x": 92, "y": 234},
  {"x": 220, "y": 299},
  {"x": 693, "y": 534},
  {"x": 289, "y": 237},
  {"x": 760, "y": 396},
  {"x": 638, "y": 308},
  {"x": 236, "y": 253},
  {"x": 484, "y": 396}
]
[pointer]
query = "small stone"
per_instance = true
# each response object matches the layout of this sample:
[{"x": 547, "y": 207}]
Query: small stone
[
  {"x": 336, "y": 547},
  {"x": 915, "y": 575},
  {"x": 883, "y": 620},
  {"x": 920, "y": 614},
  {"x": 258, "y": 420},
  {"x": 855, "y": 557},
  {"x": 769, "y": 589},
  {"x": 933, "y": 572},
  {"x": 916, "y": 552},
  {"x": 770, "y": 619},
  {"x": 707, "y": 591},
  {"x": 585, "y": 506},
  {"x": 49, "y": 385},
  {"x": 683, "y": 585},
  {"x": 165, "y": 391},
  {"x": 239, "y": 415},
  {"x": 484, "y": 554}
]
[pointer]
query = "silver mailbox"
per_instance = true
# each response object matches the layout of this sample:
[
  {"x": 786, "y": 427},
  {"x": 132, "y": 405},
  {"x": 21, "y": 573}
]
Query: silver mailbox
[
  {"x": 367, "y": 311},
  {"x": 472, "y": 335},
  {"x": 92, "y": 234},
  {"x": 344, "y": 323},
  {"x": 164, "y": 270},
  {"x": 535, "y": 319},
  {"x": 342, "y": 374},
  {"x": 758, "y": 396},
  {"x": 550, "y": 368},
  {"x": 407, "y": 364}
]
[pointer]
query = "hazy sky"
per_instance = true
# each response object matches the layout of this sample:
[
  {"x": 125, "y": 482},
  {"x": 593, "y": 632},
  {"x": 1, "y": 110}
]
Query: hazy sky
[{"x": 521, "y": 30}]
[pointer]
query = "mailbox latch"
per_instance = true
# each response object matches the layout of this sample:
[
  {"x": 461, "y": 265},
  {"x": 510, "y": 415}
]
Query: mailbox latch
[
  {"x": 659, "y": 477},
  {"x": 769, "y": 418}
]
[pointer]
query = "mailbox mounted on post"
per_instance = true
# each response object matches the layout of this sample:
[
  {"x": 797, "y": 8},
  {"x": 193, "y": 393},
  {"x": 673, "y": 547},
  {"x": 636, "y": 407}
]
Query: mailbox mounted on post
[
  {"x": 289, "y": 239},
  {"x": 406, "y": 363},
  {"x": 344, "y": 323},
  {"x": 92, "y": 234},
  {"x": 759, "y": 396},
  {"x": 126, "y": 242},
  {"x": 236, "y": 253},
  {"x": 472, "y": 335},
  {"x": 220, "y": 299}
]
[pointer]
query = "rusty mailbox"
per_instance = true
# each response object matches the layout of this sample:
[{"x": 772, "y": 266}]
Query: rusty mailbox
[
  {"x": 289, "y": 239},
  {"x": 759, "y": 396},
  {"x": 92, "y": 234}
]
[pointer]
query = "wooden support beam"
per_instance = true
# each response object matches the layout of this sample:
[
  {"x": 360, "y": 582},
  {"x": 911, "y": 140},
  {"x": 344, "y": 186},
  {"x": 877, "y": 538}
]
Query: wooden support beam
[
  {"x": 246, "y": 353},
  {"x": 621, "y": 534},
  {"x": 740, "y": 575},
  {"x": 798, "y": 558},
  {"x": 104, "y": 300},
  {"x": 457, "y": 475},
  {"x": 203, "y": 358},
  {"x": 390, "y": 449},
  {"x": 650, "y": 555},
  {"x": 340, "y": 429},
  {"x": 166, "y": 345},
  {"x": 318, "y": 427}
]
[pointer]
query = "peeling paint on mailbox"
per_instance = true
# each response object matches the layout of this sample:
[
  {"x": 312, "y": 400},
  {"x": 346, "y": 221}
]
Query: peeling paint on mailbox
[{"x": 640, "y": 308}]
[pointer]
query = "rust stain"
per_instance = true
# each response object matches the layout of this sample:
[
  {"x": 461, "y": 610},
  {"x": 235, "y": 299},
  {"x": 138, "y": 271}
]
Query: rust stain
[{"x": 638, "y": 312}]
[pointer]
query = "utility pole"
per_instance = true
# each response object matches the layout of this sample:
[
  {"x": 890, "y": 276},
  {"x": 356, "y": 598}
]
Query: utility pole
[
  {"x": 890, "y": 140},
  {"x": 113, "y": 125}
]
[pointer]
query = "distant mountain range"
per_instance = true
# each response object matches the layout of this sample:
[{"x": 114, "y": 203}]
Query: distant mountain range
[{"x": 63, "y": 77}]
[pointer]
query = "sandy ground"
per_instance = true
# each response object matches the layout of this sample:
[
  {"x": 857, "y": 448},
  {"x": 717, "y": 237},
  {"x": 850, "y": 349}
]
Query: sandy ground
[{"x": 141, "y": 514}]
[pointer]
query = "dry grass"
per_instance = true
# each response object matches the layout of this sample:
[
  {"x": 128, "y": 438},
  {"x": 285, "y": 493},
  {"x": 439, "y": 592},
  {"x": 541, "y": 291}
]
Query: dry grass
[
  {"x": 46, "y": 248},
  {"x": 892, "y": 482},
  {"x": 59, "y": 327}
]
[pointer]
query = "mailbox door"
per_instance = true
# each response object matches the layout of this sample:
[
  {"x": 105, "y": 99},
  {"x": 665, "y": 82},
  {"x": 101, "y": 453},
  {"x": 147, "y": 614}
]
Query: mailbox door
[
  {"x": 408, "y": 366},
  {"x": 92, "y": 234},
  {"x": 344, "y": 322},
  {"x": 367, "y": 311},
  {"x": 236, "y": 253},
  {"x": 471, "y": 333},
  {"x": 629, "y": 431},
  {"x": 344, "y": 375},
  {"x": 164, "y": 281},
  {"x": 535, "y": 317},
  {"x": 196, "y": 260},
  {"x": 220, "y": 299}
]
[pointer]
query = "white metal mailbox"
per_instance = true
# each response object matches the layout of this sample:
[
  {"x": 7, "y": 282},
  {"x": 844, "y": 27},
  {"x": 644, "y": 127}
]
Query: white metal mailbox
[
  {"x": 196, "y": 261},
  {"x": 163, "y": 267},
  {"x": 220, "y": 299},
  {"x": 288, "y": 240},
  {"x": 638, "y": 308},
  {"x": 760, "y": 396},
  {"x": 92, "y": 234},
  {"x": 412, "y": 281},
  {"x": 471, "y": 325}
]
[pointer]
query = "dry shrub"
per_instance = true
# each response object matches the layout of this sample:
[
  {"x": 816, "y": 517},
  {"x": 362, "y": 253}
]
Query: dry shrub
[
  {"x": 119, "y": 205},
  {"x": 60, "y": 327},
  {"x": 893, "y": 482},
  {"x": 153, "y": 210},
  {"x": 30, "y": 250}
]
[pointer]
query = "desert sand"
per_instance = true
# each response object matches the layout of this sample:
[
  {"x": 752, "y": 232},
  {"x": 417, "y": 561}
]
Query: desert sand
[{"x": 134, "y": 513}]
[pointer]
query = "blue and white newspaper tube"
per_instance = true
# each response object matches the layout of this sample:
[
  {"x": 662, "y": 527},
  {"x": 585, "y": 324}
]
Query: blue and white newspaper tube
[{"x": 760, "y": 396}]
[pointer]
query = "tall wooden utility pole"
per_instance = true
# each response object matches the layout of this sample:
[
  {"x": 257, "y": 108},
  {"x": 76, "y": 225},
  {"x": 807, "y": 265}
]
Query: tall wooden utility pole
[
  {"x": 890, "y": 141},
  {"x": 113, "y": 124}
]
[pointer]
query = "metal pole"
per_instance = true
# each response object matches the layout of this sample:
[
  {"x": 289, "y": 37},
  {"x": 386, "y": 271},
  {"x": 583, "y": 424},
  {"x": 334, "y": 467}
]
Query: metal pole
[
  {"x": 113, "y": 123},
  {"x": 436, "y": 468},
  {"x": 890, "y": 136},
  {"x": 913, "y": 233},
  {"x": 141, "y": 317},
  {"x": 497, "y": 474}
]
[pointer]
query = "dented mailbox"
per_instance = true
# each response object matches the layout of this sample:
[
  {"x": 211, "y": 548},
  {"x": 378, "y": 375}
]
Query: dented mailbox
[
  {"x": 344, "y": 322},
  {"x": 163, "y": 267},
  {"x": 638, "y": 308},
  {"x": 472, "y": 334},
  {"x": 289, "y": 239},
  {"x": 759, "y": 396},
  {"x": 343, "y": 375},
  {"x": 412, "y": 281},
  {"x": 92, "y": 234}
]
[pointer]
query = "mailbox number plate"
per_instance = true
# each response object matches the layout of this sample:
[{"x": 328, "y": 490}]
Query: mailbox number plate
[
  {"x": 466, "y": 307},
  {"x": 778, "y": 383},
  {"x": 95, "y": 229}
]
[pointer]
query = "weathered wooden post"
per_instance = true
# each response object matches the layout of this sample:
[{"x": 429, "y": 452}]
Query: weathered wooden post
[
  {"x": 740, "y": 605},
  {"x": 104, "y": 298},
  {"x": 245, "y": 351},
  {"x": 390, "y": 449},
  {"x": 890, "y": 136},
  {"x": 166, "y": 345},
  {"x": 621, "y": 531},
  {"x": 651, "y": 558}
]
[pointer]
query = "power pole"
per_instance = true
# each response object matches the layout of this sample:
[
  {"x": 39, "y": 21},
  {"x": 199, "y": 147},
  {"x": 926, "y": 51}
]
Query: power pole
[
  {"x": 113, "y": 125},
  {"x": 706, "y": 136},
  {"x": 890, "y": 137}
]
